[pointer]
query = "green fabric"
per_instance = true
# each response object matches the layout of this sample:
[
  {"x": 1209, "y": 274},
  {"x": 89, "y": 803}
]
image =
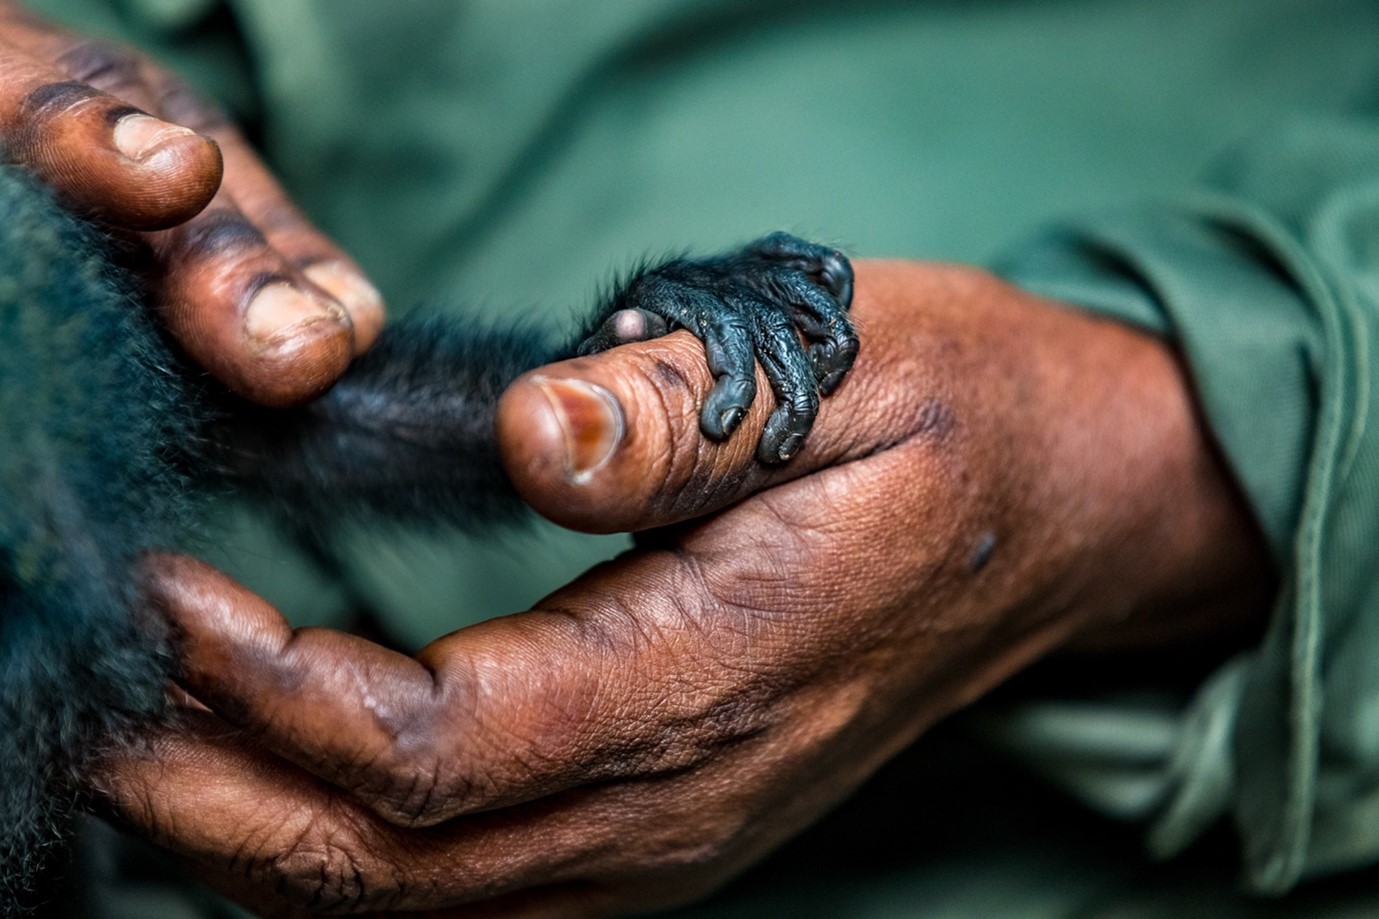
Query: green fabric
[
  {"x": 1269, "y": 279},
  {"x": 510, "y": 154}
]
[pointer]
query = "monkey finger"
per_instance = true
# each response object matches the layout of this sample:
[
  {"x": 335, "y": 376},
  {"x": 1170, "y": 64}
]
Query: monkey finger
[
  {"x": 826, "y": 325},
  {"x": 728, "y": 348},
  {"x": 825, "y": 265},
  {"x": 608, "y": 442},
  {"x": 797, "y": 398}
]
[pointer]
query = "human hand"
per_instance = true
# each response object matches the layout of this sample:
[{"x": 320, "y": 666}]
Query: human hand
[
  {"x": 252, "y": 291},
  {"x": 997, "y": 477}
]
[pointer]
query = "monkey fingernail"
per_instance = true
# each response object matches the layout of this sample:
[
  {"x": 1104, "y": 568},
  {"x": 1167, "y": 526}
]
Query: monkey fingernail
[
  {"x": 731, "y": 419},
  {"x": 591, "y": 422},
  {"x": 139, "y": 136},
  {"x": 789, "y": 447},
  {"x": 279, "y": 310},
  {"x": 359, "y": 298}
]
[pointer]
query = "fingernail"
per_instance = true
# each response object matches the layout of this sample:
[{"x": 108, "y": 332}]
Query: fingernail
[
  {"x": 277, "y": 309},
  {"x": 139, "y": 136},
  {"x": 590, "y": 420},
  {"x": 789, "y": 447},
  {"x": 731, "y": 419},
  {"x": 359, "y": 298}
]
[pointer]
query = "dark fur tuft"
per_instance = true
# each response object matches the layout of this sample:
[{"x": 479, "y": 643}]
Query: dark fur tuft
[
  {"x": 406, "y": 436},
  {"x": 86, "y": 485}
]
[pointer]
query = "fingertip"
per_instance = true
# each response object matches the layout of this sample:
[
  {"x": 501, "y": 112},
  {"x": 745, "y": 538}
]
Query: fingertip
[
  {"x": 293, "y": 358},
  {"x": 176, "y": 173},
  {"x": 726, "y": 407},
  {"x": 163, "y": 576},
  {"x": 285, "y": 346},
  {"x": 359, "y": 298},
  {"x": 555, "y": 435},
  {"x": 210, "y": 613},
  {"x": 147, "y": 175}
]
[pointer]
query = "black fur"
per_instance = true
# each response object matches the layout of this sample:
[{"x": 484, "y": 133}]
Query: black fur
[
  {"x": 406, "y": 436},
  {"x": 109, "y": 436},
  {"x": 86, "y": 483}
]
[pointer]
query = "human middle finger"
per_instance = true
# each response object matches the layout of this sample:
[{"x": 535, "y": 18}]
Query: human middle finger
[{"x": 255, "y": 293}]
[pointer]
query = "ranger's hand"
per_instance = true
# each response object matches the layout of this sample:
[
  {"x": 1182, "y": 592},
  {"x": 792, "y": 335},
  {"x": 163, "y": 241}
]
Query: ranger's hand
[
  {"x": 996, "y": 477},
  {"x": 253, "y": 292}
]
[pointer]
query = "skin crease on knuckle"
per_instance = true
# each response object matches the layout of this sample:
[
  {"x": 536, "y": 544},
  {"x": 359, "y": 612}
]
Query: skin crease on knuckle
[
  {"x": 398, "y": 766},
  {"x": 105, "y": 65},
  {"x": 628, "y": 703}
]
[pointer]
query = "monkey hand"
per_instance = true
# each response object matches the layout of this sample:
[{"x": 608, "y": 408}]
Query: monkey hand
[
  {"x": 252, "y": 291},
  {"x": 752, "y": 304},
  {"x": 1000, "y": 476}
]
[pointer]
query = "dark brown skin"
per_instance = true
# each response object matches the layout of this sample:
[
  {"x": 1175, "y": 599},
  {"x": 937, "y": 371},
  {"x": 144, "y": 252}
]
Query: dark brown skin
[
  {"x": 998, "y": 478},
  {"x": 253, "y": 292},
  {"x": 666, "y": 720}
]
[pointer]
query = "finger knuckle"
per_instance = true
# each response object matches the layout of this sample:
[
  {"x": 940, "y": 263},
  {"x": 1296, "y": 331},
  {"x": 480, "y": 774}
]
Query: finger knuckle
[
  {"x": 178, "y": 102},
  {"x": 221, "y": 232},
  {"x": 411, "y": 792},
  {"x": 804, "y": 404},
  {"x": 45, "y": 102},
  {"x": 102, "y": 64},
  {"x": 411, "y": 778},
  {"x": 321, "y": 870}
]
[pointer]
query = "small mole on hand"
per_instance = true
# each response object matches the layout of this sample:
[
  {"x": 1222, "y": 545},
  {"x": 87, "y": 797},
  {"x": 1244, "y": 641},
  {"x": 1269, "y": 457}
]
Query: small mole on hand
[{"x": 986, "y": 545}]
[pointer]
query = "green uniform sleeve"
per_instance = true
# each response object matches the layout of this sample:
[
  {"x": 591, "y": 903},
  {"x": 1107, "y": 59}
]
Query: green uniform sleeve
[{"x": 1267, "y": 279}]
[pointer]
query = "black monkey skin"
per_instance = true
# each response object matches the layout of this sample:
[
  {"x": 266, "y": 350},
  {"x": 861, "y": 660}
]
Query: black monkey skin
[{"x": 107, "y": 437}]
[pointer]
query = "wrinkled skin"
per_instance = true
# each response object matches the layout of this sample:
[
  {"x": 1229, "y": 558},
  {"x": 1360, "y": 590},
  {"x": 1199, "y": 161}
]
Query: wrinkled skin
[
  {"x": 253, "y": 292},
  {"x": 664, "y": 721},
  {"x": 997, "y": 478}
]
